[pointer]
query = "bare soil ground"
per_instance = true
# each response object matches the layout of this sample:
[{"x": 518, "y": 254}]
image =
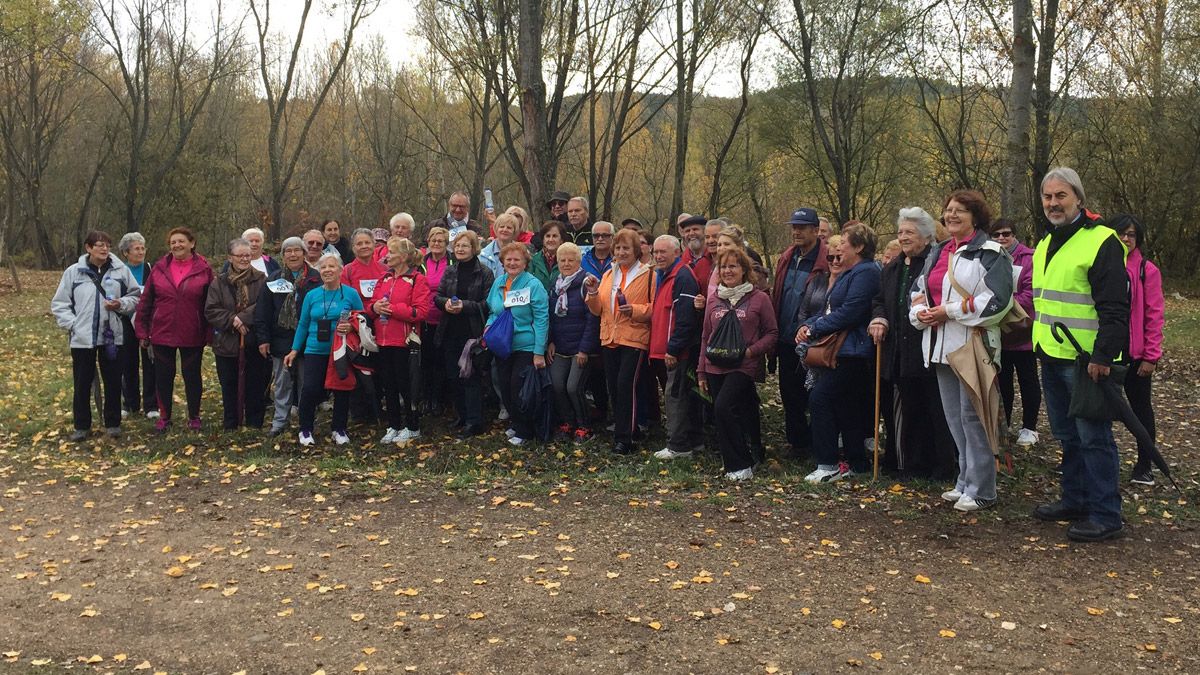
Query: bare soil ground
[{"x": 216, "y": 554}]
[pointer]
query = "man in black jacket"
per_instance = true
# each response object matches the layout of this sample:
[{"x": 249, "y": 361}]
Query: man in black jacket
[
  {"x": 795, "y": 269},
  {"x": 674, "y": 339}
]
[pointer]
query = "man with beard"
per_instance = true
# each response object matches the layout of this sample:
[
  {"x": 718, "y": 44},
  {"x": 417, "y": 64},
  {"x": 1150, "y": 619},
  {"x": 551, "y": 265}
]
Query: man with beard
[
  {"x": 1079, "y": 280},
  {"x": 792, "y": 277},
  {"x": 695, "y": 253}
]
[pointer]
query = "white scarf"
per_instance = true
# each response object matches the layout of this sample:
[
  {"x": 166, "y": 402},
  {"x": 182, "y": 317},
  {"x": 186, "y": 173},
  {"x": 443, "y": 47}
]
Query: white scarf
[
  {"x": 618, "y": 280},
  {"x": 734, "y": 295},
  {"x": 561, "y": 284}
]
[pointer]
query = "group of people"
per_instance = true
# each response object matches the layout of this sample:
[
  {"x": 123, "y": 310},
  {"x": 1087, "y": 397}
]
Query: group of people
[{"x": 396, "y": 324}]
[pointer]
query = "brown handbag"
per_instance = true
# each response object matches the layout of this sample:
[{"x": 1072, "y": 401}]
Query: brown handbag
[{"x": 823, "y": 353}]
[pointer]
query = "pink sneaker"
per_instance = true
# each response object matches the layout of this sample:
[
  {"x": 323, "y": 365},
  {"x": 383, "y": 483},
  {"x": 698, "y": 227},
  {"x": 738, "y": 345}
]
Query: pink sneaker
[
  {"x": 161, "y": 425},
  {"x": 194, "y": 424}
]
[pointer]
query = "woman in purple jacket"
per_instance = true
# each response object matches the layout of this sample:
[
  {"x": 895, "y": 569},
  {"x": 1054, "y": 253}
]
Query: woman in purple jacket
[
  {"x": 732, "y": 387},
  {"x": 170, "y": 319},
  {"x": 1145, "y": 332},
  {"x": 1016, "y": 346}
]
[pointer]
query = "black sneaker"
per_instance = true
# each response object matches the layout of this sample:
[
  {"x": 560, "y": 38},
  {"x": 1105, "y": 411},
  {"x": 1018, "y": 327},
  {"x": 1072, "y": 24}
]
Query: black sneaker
[
  {"x": 1088, "y": 531},
  {"x": 1056, "y": 512},
  {"x": 1142, "y": 476}
]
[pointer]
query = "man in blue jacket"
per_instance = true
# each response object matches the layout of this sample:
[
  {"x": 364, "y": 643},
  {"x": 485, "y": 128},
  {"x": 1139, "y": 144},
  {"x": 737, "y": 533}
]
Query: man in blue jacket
[{"x": 674, "y": 335}]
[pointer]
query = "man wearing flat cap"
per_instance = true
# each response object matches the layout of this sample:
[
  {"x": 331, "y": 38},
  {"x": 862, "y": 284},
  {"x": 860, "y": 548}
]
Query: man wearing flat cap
[
  {"x": 797, "y": 267},
  {"x": 695, "y": 252}
]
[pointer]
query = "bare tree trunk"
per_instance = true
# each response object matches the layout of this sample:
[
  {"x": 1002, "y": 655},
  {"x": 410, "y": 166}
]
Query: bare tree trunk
[
  {"x": 535, "y": 136},
  {"x": 1013, "y": 194},
  {"x": 714, "y": 200},
  {"x": 1043, "y": 101}
]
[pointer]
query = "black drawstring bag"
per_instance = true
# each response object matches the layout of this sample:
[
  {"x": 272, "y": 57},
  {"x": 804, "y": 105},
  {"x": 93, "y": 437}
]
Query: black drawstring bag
[{"x": 727, "y": 346}]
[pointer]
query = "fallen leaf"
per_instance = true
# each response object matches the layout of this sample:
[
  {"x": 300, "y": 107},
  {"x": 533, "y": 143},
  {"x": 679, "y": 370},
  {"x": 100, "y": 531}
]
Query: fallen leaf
[
  {"x": 228, "y": 592},
  {"x": 61, "y": 597},
  {"x": 357, "y": 617},
  {"x": 369, "y": 650},
  {"x": 360, "y": 668},
  {"x": 1096, "y": 611},
  {"x": 144, "y": 665},
  {"x": 1150, "y": 647},
  {"x": 612, "y": 575},
  {"x": 1008, "y": 625},
  {"x": 838, "y": 624},
  {"x": 921, "y": 579},
  {"x": 475, "y": 616},
  {"x": 175, "y": 572},
  {"x": 655, "y": 625},
  {"x": 947, "y": 633},
  {"x": 878, "y": 656},
  {"x": 671, "y": 564},
  {"x": 46, "y": 662},
  {"x": 1172, "y": 619}
]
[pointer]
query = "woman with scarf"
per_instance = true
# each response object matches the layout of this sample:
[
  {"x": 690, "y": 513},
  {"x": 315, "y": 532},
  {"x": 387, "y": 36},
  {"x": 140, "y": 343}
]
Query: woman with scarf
[
  {"x": 433, "y": 375},
  {"x": 545, "y": 261},
  {"x": 137, "y": 376},
  {"x": 731, "y": 386},
  {"x": 623, "y": 301},
  {"x": 324, "y": 311},
  {"x": 170, "y": 320},
  {"x": 91, "y": 298},
  {"x": 400, "y": 305},
  {"x": 275, "y": 316},
  {"x": 229, "y": 309},
  {"x": 462, "y": 297},
  {"x": 574, "y": 333}
]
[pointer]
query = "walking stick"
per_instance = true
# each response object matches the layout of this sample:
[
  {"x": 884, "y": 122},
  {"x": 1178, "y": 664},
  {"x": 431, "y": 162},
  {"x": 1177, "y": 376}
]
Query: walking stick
[
  {"x": 875, "y": 420},
  {"x": 241, "y": 381}
]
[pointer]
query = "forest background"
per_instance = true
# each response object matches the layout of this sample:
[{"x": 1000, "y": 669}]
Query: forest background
[{"x": 141, "y": 115}]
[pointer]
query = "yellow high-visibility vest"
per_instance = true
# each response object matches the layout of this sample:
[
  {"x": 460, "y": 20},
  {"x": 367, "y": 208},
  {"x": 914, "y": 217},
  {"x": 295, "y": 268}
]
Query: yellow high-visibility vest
[{"x": 1063, "y": 294}]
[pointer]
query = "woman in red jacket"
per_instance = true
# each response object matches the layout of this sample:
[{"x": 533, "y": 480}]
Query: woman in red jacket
[
  {"x": 170, "y": 319},
  {"x": 1145, "y": 332},
  {"x": 401, "y": 302}
]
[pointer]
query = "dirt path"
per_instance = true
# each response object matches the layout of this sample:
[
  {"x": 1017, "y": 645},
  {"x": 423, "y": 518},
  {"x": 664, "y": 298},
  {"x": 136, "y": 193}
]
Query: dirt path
[{"x": 225, "y": 572}]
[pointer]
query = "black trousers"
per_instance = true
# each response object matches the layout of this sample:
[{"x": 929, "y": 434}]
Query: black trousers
[
  {"x": 190, "y": 359},
  {"x": 924, "y": 446},
  {"x": 735, "y": 403},
  {"x": 511, "y": 372},
  {"x": 394, "y": 377},
  {"x": 597, "y": 385},
  {"x": 137, "y": 378},
  {"x": 622, "y": 368},
  {"x": 842, "y": 405},
  {"x": 312, "y": 392},
  {"x": 795, "y": 399},
  {"x": 467, "y": 394},
  {"x": 1138, "y": 391},
  {"x": 83, "y": 372},
  {"x": 256, "y": 373},
  {"x": 1025, "y": 365},
  {"x": 433, "y": 371}
]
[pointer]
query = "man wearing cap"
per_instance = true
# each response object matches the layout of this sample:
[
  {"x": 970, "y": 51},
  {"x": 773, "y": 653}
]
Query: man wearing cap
[
  {"x": 696, "y": 254},
  {"x": 579, "y": 224},
  {"x": 792, "y": 275},
  {"x": 457, "y": 218},
  {"x": 557, "y": 205},
  {"x": 632, "y": 224}
]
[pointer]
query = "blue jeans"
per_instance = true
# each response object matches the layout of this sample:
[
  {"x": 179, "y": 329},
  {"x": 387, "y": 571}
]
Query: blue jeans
[{"x": 1090, "y": 466}]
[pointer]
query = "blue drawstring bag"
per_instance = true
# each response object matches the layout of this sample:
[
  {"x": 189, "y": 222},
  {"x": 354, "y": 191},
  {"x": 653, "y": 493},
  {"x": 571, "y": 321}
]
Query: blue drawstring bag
[{"x": 498, "y": 336}]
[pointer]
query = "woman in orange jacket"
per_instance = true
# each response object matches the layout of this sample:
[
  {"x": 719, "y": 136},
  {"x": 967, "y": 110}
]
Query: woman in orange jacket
[{"x": 622, "y": 300}]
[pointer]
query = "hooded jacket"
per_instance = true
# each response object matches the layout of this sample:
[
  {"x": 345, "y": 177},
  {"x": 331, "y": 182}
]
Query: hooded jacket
[
  {"x": 78, "y": 306},
  {"x": 170, "y": 315},
  {"x": 220, "y": 309},
  {"x": 984, "y": 270},
  {"x": 411, "y": 301},
  {"x": 1145, "y": 308}
]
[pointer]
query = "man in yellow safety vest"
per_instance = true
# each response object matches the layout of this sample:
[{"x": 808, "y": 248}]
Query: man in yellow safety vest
[{"x": 1079, "y": 280}]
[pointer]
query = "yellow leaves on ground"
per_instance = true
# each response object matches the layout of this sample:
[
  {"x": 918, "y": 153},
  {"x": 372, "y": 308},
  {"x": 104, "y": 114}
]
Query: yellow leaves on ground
[
  {"x": 61, "y": 597},
  {"x": 671, "y": 564},
  {"x": 1172, "y": 619},
  {"x": 921, "y": 579},
  {"x": 1096, "y": 611},
  {"x": 357, "y": 617},
  {"x": 703, "y": 577},
  {"x": 175, "y": 572},
  {"x": 228, "y": 592},
  {"x": 838, "y": 624},
  {"x": 947, "y": 633},
  {"x": 475, "y": 616}
]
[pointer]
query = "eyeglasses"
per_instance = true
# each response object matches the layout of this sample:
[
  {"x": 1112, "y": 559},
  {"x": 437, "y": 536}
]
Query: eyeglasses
[
  {"x": 955, "y": 212},
  {"x": 833, "y": 258},
  {"x": 240, "y": 256},
  {"x": 315, "y": 244},
  {"x": 1128, "y": 235},
  {"x": 1002, "y": 233},
  {"x": 602, "y": 235}
]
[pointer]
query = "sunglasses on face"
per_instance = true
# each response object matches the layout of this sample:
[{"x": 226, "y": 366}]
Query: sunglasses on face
[
  {"x": 833, "y": 258},
  {"x": 1003, "y": 233}
]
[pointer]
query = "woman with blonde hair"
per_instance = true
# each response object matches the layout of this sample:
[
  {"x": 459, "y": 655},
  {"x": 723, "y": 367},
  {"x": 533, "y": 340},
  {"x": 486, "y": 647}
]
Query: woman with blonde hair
[
  {"x": 462, "y": 297},
  {"x": 507, "y": 227},
  {"x": 401, "y": 303},
  {"x": 524, "y": 297}
]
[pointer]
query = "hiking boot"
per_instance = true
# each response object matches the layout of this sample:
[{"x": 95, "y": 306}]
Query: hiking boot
[
  {"x": 1027, "y": 437},
  {"x": 1056, "y": 512},
  {"x": 1088, "y": 531},
  {"x": 78, "y": 436},
  {"x": 113, "y": 432},
  {"x": 667, "y": 453}
]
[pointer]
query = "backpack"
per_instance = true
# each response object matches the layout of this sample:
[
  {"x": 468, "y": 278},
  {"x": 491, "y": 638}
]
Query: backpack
[{"x": 727, "y": 346}]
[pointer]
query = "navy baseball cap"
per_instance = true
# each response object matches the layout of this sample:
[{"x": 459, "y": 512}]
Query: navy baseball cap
[{"x": 804, "y": 216}]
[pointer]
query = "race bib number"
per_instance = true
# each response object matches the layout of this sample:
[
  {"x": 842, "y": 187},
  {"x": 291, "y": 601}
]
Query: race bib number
[
  {"x": 517, "y": 298},
  {"x": 281, "y": 286},
  {"x": 455, "y": 231},
  {"x": 367, "y": 287}
]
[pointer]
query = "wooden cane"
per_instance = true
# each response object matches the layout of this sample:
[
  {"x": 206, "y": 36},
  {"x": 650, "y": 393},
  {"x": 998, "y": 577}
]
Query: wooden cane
[{"x": 878, "y": 373}]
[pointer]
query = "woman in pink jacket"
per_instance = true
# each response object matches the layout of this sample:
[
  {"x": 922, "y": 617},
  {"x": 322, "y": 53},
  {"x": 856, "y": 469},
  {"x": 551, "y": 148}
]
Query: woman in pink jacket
[
  {"x": 1016, "y": 345},
  {"x": 1145, "y": 332}
]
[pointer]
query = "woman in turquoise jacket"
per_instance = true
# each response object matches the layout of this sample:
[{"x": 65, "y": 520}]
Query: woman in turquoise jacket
[{"x": 519, "y": 292}]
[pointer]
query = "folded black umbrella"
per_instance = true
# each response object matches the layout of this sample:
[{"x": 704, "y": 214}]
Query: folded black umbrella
[{"x": 1105, "y": 400}]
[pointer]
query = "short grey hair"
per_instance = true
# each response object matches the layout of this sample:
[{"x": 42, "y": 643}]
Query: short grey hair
[
  {"x": 332, "y": 256},
  {"x": 1067, "y": 175},
  {"x": 402, "y": 217},
  {"x": 129, "y": 240},
  {"x": 612, "y": 228},
  {"x": 717, "y": 222},
  {"x": 253, "y": 230},
  {"x": 234, "y": 243},
  {"x": 363, "y": 231},
  {"x": 582, "y": 200},
  {"x": 921, "y": 218},
  {"x": 670, "y": 239}
]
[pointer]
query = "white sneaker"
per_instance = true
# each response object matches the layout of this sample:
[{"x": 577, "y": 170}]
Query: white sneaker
[
  {"x": 1027, "y": 437},
  {"x": 340, "y": 438},
  {"x": 407, "y": 435},
  {"x": 966, "y": 503},
  {"x": 744, "y": 474},
  {"x": 510, "y": 432},
  {"x": 824, "y": 476},
  {"x": 667, "y": 453},
  {"x": 516, "y": 441},
  {"x": 152, "y": 414},
  {"x": 391, "y": 436},
  {"x": 306, "y": 438},
  {"x": 124, "y": 413},
  {"x": 503, "y": 414},
  {"x": 952, "y": 495},
  {"x": 611, "y": 427}
]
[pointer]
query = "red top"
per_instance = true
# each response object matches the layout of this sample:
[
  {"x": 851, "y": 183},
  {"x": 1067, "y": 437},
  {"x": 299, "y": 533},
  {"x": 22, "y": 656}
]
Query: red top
[
  {"x": 411, "y": 302},
  {"x": 363, "y": 278}
]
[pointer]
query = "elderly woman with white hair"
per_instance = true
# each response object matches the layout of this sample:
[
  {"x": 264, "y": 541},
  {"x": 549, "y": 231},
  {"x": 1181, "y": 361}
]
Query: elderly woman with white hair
[
  {"x": 919, "y": 443},
  {"x": 275, "y": 318},
  {"x": 137, "y": 377},
  {"x": 259, "y": 260}
]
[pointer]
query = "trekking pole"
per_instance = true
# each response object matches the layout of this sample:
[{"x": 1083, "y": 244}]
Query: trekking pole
[{"x": 875, "y": 420}]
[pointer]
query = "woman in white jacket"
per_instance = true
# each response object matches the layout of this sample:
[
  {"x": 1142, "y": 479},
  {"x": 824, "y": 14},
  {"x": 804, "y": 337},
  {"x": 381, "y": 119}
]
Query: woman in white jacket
[
  {"x": 92, "y": 295},
  {"x": 947, "y": 310}
]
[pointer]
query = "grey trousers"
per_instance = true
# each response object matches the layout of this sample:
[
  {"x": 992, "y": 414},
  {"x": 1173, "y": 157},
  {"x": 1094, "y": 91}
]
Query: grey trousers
[
  {"x": 570, "y": 387},
  {"x": 284, "y": 393},
  {"x": 976, "y": 465},
  {"x": 685, "y": 428}
]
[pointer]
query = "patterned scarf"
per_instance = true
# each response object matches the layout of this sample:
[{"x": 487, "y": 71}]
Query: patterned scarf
[
  {"x": 734, "y": 295},
  {"x": 288, "y": 315},
  {"x": 561, "y": 284},
  {"x": 241, "y": 286}
]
